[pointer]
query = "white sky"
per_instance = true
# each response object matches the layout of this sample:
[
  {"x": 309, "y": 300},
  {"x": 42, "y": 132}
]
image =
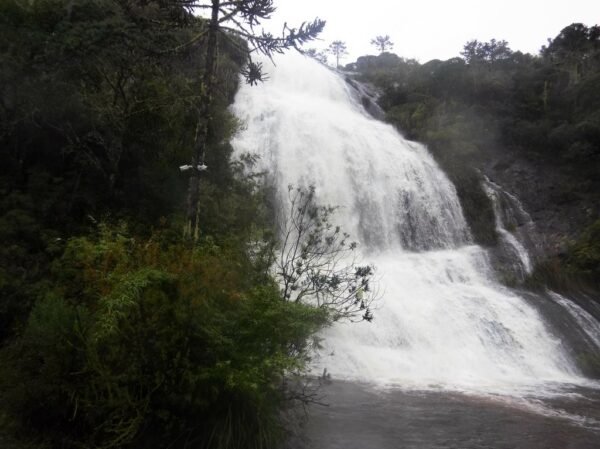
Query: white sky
[{"x": 435, "y": 29}]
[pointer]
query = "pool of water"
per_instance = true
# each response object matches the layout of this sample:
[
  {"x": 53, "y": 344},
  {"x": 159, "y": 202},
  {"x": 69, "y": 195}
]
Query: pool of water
[{"x": 360, "y": 416}]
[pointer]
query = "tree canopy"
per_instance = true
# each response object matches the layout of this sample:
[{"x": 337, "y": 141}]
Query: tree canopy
[{"x": 475, "y": 51}]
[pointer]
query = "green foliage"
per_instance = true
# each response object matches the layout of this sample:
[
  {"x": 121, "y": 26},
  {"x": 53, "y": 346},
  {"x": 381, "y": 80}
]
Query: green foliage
[
  {"x": 96, "y": 99},
  {"x": 151, "y": 343},
  {"x": 98, "y": 106}
]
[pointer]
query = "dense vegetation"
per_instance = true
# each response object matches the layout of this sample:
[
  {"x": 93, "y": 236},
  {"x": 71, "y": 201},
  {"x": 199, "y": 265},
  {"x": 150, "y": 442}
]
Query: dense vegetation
[
  {"x": 115, "y": 330},
  {"x": 494, "y": 103}
]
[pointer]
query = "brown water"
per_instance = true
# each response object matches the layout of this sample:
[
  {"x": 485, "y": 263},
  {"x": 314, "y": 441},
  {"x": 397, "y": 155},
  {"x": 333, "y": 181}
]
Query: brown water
[{"x": 362, "y": 417}]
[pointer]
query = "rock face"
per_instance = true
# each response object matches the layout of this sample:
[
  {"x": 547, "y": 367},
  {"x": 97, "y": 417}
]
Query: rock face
[
  {"x": 559, "y": 213},
  {"x": 518, "y": 243},
  {"x": 368, "y": 95}
]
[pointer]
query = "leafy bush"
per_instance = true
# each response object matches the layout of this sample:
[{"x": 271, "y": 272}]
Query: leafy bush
[{"x": 150, "y": 343}]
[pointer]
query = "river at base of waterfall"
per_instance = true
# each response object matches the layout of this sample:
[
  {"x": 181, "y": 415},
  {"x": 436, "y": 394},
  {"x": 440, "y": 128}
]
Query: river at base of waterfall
[{"x": 360, "y": 416}]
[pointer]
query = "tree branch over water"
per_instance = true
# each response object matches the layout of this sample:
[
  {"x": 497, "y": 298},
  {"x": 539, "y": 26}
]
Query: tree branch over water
[{"x": 317, "y": 262}]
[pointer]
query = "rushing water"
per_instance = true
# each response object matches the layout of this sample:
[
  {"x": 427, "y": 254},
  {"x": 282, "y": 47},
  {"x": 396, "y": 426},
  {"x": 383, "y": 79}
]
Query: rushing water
[
  {"x": 443, "y": 323},
  {"x": 505, "y": 206}
]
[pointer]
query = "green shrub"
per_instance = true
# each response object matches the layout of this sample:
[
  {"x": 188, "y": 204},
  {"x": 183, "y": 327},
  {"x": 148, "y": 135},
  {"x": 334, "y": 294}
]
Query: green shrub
[{"x": 150, "y": 343}]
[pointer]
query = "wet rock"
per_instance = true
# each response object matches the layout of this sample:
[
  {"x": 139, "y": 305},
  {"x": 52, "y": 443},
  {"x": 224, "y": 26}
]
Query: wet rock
[{"x": 559, "y": 212}]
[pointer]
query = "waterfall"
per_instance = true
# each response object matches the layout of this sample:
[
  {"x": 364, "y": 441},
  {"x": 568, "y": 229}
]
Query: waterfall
[
  {"x": 587, "y": 323},
  {"x": 443, "y": 320},
  {"x": 509, "y": 212}
]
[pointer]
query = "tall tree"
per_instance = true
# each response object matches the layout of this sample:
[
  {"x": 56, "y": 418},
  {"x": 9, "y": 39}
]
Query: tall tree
[
  {"x": 234, "y": 22},
  {"x": 339, "y": 50},
  {"x": 382, "y": 43}
]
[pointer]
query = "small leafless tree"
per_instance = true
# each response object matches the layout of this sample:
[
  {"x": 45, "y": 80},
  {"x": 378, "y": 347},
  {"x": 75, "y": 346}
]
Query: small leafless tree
[{"x": 317, "y": 263}]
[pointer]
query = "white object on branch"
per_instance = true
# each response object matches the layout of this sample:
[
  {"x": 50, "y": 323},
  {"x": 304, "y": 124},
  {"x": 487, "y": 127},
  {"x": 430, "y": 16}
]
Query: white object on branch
[{"x": 200, "y": 167}]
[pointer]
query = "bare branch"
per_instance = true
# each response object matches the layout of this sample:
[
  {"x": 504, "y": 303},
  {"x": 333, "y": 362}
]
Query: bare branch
[{"x": 317, "y": 264}]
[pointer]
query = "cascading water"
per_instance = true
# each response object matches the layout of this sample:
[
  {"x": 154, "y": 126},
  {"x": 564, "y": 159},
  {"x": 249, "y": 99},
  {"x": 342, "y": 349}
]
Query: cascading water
[
  {"x": 516, "y": 252},
  {"x": 443, "y": 320}
]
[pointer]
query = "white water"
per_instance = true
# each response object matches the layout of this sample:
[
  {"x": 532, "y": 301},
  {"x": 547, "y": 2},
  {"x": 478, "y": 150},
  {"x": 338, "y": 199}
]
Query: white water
[
  {"x": 586, "y": 321},
  {"x": 520, "y": 253},
  {"x": 443, "y": 320}
]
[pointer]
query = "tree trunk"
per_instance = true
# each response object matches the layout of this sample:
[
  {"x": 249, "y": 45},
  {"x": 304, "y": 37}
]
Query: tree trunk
[{"x": 204, "y": 122}]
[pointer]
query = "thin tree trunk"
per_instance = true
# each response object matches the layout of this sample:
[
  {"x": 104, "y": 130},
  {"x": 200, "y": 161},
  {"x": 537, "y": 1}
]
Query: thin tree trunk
[{"x": 204, "y": 122}]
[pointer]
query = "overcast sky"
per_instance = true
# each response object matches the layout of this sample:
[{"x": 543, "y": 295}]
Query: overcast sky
[{"x": 437, "y": 29}]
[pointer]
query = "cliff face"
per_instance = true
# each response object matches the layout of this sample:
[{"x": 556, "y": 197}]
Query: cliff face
[{"x": 560, "y": 213}]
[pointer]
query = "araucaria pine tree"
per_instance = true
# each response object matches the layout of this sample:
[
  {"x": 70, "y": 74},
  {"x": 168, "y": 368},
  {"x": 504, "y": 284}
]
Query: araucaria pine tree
[
  {"x": 234, "y": 22},
  {"x": 339, "y": 50},
  {"x": 383, "y": 43}
]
